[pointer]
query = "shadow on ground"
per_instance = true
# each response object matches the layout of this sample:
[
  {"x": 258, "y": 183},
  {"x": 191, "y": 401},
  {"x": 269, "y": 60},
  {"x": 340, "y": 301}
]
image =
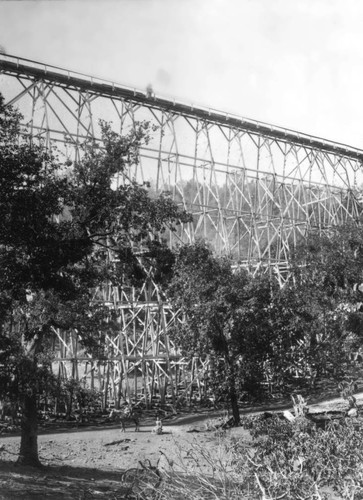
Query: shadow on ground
[{"x": 59, "y": 482}]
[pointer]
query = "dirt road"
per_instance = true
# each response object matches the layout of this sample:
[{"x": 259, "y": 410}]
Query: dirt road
[{"x": 89, "y": 463}]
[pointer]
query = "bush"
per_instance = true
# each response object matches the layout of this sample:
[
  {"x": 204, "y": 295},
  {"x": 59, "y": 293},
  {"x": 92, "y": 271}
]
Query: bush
[{"x": 71, "y": 396}]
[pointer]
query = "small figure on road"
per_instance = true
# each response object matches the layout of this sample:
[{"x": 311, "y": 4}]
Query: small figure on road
[{"x": 158, "y": 429}]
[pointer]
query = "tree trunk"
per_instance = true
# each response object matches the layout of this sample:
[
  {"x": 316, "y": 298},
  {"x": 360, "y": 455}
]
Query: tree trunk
[
  {"x": 29, "y": 433},
  {"x": 234, "y": 399},
  {"x": 232, "y": 390}
]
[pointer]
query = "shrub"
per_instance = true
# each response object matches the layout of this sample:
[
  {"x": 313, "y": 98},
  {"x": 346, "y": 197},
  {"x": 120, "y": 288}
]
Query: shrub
[{"x": 71, "y": 395}]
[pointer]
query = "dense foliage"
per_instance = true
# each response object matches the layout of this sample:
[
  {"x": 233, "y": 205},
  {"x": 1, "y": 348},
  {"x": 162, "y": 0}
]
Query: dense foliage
[{"x": 317, "y": 316}]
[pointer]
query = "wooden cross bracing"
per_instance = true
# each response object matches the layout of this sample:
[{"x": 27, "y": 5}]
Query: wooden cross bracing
[{"x": 254, "y": 191}]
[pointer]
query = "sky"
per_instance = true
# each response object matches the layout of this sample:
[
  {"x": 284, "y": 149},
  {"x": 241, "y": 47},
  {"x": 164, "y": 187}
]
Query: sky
[{"x": 293, "y": 63}]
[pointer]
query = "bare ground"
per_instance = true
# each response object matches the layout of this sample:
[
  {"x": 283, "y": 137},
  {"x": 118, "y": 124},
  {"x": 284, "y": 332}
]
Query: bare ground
[{"x": 89, "y": 463}]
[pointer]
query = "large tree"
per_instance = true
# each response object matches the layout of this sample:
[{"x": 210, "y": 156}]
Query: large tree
[
  {"x": 226, "y": 316},
  {"x": 60, "y": 222}
]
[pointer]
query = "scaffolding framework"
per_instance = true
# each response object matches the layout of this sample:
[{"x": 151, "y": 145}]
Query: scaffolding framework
[{"x": 254, "y": 190}]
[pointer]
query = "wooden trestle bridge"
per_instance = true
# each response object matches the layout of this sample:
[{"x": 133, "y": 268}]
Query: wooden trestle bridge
[{"x": 254, "y": 190}]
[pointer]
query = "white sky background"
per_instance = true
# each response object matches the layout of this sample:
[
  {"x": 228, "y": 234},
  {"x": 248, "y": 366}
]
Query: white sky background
[{"x": 293, "y": 63}]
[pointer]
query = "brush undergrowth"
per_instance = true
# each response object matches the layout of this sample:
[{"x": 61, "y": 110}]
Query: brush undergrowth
[
  {"x": 301, "y": 461},
  {"x": 282, "y": 460}
]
